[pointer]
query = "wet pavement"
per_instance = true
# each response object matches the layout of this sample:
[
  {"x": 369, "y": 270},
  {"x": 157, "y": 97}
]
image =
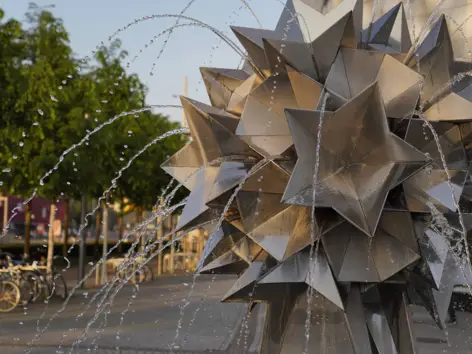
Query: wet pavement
[{"x": 145, "y": 321}]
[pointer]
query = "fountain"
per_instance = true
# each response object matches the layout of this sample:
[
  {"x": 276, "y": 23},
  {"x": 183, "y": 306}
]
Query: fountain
[{"x": 343, "y": 206}]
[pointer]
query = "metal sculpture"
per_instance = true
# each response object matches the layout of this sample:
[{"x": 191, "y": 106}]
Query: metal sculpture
[{"x": 320, "y": 155}]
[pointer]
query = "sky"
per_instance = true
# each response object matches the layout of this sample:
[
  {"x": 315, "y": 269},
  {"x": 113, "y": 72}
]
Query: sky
[{"x": 89, "y": 22}]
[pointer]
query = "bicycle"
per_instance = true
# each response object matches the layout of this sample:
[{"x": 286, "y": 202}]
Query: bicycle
[
  {"x": 137, "y": 271},
  {"x": 33, "y": 280}
]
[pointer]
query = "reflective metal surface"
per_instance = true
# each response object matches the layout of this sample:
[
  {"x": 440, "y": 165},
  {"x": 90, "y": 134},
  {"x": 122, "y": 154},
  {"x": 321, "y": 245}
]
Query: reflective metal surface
[{"x": 371, "y": 240}]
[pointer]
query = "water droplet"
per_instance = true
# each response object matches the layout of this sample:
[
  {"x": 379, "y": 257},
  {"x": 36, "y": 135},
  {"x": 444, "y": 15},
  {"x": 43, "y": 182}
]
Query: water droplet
[
  {"x": 40, "y": 112},
  {"x": 21, "y": 144},
  {"x": 23, "y": 134},
  {"x": 130, "y": 132},
  {"x": 98, "y": 111},
  {"x": 15, "y": 157},
  {"x": 35, "y": 124},
  {"x": 6, "y": 170},
  {"x": 54, "y": 98}
]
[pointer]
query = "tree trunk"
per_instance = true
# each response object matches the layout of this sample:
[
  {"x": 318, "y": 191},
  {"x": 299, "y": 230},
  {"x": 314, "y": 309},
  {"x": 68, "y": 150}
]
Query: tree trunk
[
  {"x": 27, "y": 235},
  {"x": 50, "y": 258},
  {"x": 98, "y": 224},
  {"x": 66, "y": 228}
]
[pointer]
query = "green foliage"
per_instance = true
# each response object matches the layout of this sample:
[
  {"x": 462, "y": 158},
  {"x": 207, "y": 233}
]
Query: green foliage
[{"x": 46, "y": 107}]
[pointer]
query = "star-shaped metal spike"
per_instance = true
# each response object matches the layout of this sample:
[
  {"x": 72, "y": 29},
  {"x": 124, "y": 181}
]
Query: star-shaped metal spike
[
  {"x": 315, "y": 57},
  {"x": 319, "y": 15},
  {"x": 389, "y": 34},
  {"x": 355, "y": 69},
  {"x": 245, "y": 288},
  {"x": 436, "y": 63},
  {"x": 269, "y": 134},
  {"x": 431, "y": 185},
  {"x": 357, "y": 167},
  {"x": 437, "y": 301},
  {"x": 221, "y": 83},
  {"x": 314, "y": 272},
  {"x": 356, "y": 258},
  {"x": 212, "y": 131},
  {"x": 222, "y": 240}
]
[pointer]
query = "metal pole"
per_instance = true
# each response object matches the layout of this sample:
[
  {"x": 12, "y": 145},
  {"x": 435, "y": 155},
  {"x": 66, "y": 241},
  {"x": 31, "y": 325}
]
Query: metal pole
[
  {"x": 83, "y": 242},
  {"x": 52, "y": 216},
  {"x": 159, "y": 236},
  {"x": 173, "y": 224},
  {"x": 105, "y": 243}
]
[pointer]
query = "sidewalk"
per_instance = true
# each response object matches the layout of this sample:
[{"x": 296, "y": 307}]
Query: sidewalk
[{"x": 457, "y": 339}]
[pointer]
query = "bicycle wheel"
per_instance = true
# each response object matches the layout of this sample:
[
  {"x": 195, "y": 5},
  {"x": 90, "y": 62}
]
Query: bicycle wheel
[
  {"x": 58, "y": 286},
  {"x": 33, "y": 279},
  {"x": 9, "y": 296},
  {"x": 26, "y": 290}
]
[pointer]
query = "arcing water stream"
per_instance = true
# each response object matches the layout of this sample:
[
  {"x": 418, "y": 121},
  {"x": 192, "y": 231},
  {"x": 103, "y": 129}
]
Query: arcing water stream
[{"x": 116, "y": 284}]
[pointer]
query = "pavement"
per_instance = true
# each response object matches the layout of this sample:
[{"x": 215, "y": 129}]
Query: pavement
[{"x": 167, "y": 314}]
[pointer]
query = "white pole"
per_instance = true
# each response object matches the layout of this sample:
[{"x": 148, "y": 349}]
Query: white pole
[
  {"x": 50, "y": 258},
  {"x": 105, "y": 243}
]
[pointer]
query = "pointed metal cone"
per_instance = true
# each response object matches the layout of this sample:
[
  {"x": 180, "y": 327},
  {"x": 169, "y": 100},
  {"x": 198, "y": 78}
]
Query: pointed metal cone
[
  {"x": 247, "y": 250},
  {"x": 438, "y": 34},
  {"x": 270, "y": 178},
  {"x": 293, "y": 270},
  {"x": 397, "y": 258},
  {"x": 221, "y": 240},
  {"x": 437, "y": 301},
  {"x": 433, "y": 187},
  {"x": 400, "y": 226},
  {"x": 230, "y": 175},
  {"x": 268, "y": 146},
  {"x": 195, "y": 205},
  {"x": 211, "y": 128},
  {"x": 381, "y": 29},
  {"x": 288, "y": 27},
  {"x": 402, "y": 105},
  {"x": 307, "y": 91},
  {"x": 400, "y": 38},
  {"x": 321, "y": 278},
  {"x": 326, "y": 46},
  {"x": 297, "y": 55},
  {"x": 379, "y": 329},
  {"x": 227, "y": 263},
  {"x": 245, "y": 284},
  {"x": 296, "y": 269},
  {"x": 221, "y": 83},
  {"x": 251, "y": 39},
  {"x": 241, "y": 93},
  {"x": 256, "y": 208},
  {"x": 451, "y": 108},
  {"x": 184, "y": 164},
  {"x": 407, "y": 87},
  {"x": 405, "y": 340},
  {"x": 356, "y": 321},
  {"x": 358, "y": 264},
  {"x": 275, "y": 234},
  {"x": 275, "y": 59}
]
